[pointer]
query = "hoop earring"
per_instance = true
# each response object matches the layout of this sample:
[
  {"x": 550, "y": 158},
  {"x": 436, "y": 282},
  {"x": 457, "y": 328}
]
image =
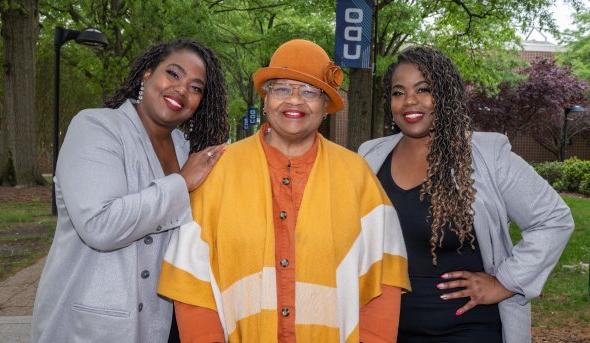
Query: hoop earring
[{"x": 139, "y": 95}]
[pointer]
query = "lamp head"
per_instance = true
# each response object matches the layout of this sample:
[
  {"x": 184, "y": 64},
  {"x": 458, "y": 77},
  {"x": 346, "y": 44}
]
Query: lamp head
[
  {"x": 88, "y": 37},
  {"x": 575, "y": 108},
  {"x": 92, "y": 37}
]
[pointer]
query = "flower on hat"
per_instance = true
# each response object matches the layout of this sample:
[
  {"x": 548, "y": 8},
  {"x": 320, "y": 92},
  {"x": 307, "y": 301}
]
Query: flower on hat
[{"x": 333, "y": 75}]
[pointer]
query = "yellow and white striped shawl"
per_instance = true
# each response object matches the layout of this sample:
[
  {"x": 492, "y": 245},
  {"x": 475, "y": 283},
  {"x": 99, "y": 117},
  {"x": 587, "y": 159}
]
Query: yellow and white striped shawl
[{"x": 347, "y": 243}]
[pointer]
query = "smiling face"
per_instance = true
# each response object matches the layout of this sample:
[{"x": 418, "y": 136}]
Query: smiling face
[
  {"x": 294, "y": 119},
  {"x": 412, "y": 103},
  {"x": 173, "y": 90}
]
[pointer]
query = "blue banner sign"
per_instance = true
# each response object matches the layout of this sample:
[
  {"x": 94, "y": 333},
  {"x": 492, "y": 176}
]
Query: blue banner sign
[
  {"x": 252, "y": 115},
  {"x": 245, "y": 123},
  {"x": 354, "y": 29}
]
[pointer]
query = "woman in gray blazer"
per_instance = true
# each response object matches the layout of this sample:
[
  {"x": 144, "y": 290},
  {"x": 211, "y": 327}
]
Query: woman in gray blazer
[
  {"x": 456, "y": 192},
  {"x": 122, "y": 183}
]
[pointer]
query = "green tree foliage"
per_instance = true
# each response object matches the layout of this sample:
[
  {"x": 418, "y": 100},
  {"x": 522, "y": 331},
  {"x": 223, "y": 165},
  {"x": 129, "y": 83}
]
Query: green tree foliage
[
  {"x": 243, "y": 33},
  {"x": 246, "y": 32},
  {"x": 577, "y": 54}
]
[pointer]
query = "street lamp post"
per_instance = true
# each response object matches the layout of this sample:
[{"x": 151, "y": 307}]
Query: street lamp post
[
  {"x": 89, "y": 37},
  {"x": 567, "y": 111}
]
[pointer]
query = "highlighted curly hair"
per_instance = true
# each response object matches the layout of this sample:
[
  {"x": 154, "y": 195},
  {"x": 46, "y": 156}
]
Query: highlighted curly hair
[
  {"x": 449, "y": 184},
  {"x": 208, "y": 125}
]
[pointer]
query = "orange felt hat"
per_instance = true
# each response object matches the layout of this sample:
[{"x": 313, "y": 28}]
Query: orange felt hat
[{"x": 304, "y": 61}]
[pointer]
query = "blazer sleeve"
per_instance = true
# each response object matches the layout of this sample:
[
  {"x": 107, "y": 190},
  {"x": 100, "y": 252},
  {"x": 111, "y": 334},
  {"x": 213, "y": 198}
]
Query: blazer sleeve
[
  {"x": 543, "y": 217},
  {"x": 91, "y": 177}
]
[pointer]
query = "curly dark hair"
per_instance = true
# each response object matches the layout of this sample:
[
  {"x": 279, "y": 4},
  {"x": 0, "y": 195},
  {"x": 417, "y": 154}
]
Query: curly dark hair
[
  {"x": 449, "y": 183},
  {"x": 208, "y": 125}
]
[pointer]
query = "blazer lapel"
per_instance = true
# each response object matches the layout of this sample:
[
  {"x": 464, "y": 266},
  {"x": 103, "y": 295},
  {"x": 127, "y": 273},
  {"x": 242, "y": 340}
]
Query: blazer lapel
[
  {"x": 146, "y": 144},
  {"x": 181, "y": 145},
  {"x": 379, "y": 152}
]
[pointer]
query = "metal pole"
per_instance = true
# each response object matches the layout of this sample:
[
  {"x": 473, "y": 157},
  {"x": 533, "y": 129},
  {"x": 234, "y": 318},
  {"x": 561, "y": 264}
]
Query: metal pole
[
  {"x": 374, "y": 76},
  {"x": 563, "y": 134},
  {"x": 55, "y": 120},
  {"x": 60, "y": 37}
]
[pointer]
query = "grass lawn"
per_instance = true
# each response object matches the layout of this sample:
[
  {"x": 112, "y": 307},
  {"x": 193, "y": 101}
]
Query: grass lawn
[
  {"x": 566, "y": 297},
  {"x": 26, "y": 231}
]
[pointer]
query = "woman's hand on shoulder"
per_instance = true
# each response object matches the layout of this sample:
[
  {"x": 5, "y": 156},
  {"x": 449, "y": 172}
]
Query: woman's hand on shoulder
[
  {"x": 480, "y": 288},
  {"x": 199, "y": 164}
]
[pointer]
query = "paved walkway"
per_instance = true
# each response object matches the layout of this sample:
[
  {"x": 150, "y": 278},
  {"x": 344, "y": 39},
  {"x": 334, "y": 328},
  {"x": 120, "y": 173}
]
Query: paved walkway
[{"x": 17, "y": 295}]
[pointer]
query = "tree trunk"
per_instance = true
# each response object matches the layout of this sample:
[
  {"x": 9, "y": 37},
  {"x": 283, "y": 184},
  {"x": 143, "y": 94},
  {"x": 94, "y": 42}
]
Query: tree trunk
[
  {"x": 359, "y": 107},
  {"x": 20, "y": 31},
  {"x": 6, "y": 172},
  {"x": 378, "y": 113}
]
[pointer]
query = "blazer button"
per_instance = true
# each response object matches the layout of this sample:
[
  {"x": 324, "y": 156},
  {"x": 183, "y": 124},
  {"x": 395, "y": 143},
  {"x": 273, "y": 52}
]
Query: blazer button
[
  {"x": 159, "y": 228},
  {"x": 286, "y": 181},
  {"x": 140, "y": 307},
  {"x": 284, "y": 263},
  {"x": 145, "y": 274},
  {"x": 148, "y": 240},
  {"x": 285, "y": 312},
  {"x": 283, "y": 215}
]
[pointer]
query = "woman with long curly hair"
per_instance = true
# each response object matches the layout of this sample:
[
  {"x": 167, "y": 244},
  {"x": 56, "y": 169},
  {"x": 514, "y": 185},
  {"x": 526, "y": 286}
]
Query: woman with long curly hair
[
  {"x": 455, "y": 192},
  {"x": 122, "y": 185}
]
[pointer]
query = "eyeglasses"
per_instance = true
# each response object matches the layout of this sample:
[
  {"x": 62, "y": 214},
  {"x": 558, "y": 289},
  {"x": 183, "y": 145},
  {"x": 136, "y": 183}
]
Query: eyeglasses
[{"x": 282, "y": 91}]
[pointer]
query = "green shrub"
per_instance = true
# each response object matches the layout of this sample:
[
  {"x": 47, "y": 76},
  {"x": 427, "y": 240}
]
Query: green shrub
[
  {"x": 560, "y": 185},
  {"x": 572, "y": 175},
  {"x": 574, "y": 171},
  {"x": 585, "y": 185},
  {"x": 550, "y": 171}
]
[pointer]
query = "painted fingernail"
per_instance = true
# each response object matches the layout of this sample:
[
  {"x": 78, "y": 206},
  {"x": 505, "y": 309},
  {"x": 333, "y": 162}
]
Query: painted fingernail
[
  {"x": 458, "y": 313},
  {"x": 444, "y": 297},
  {"x": 440, "y": 286},
  {"x": 444, "y": 276}
]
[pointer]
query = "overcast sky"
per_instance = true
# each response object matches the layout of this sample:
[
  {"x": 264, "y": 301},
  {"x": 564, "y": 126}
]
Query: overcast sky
[{"x": 562, "y": 13}]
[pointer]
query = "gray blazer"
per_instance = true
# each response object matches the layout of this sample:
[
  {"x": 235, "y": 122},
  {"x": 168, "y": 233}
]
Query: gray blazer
[
  {"x": 507, "y": 188},
  {"x": 114, "y": 209}
]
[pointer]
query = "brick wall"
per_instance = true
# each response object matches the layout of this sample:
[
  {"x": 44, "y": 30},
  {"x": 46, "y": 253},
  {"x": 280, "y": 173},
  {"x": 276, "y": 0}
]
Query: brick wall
[
  {"x": 527, "y": 148},
  {"x": 537, "y": 55}
]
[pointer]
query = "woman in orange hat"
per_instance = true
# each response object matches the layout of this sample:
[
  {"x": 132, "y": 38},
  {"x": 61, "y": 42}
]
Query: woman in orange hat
[{"x": 293, "y": 238}]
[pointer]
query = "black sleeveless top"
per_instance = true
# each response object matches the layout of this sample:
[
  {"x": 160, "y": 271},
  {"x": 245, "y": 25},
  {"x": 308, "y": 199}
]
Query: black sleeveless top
[{"x": 424, "y": 316}]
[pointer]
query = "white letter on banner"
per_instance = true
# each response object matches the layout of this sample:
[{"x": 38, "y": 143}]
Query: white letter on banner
[
  {"x": 357, "y": 52},
  {"x": 348, "y": 15},
  {"x": 356, "y": 35}
]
